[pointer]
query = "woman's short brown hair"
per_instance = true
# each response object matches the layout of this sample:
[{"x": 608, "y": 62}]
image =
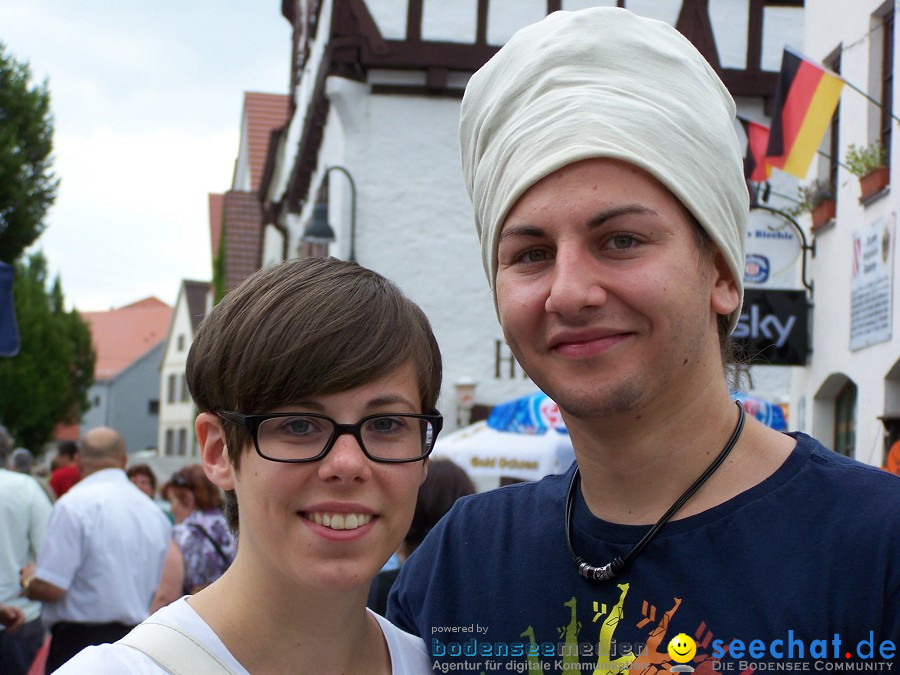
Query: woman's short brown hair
[{"x": 306, "y": 327}]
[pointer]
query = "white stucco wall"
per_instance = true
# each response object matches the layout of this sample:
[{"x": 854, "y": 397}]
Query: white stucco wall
[
  {"x": 414, "y": 221},
  {"x": 829, "y": 25},
  {"x": 242, "y": 179},
  {"x": 272, "y": 240},
  {"x": 449, "y": 21},
  {"x": 457, "y": 21},
  {"x": 180, "y": 414},
  {"x": 419, "y": 232},
  {"x": 415, "y": 225}
]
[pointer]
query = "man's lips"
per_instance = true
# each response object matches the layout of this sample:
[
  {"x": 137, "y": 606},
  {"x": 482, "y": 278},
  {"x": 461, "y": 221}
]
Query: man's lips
[{"x": 589, "y": 342}]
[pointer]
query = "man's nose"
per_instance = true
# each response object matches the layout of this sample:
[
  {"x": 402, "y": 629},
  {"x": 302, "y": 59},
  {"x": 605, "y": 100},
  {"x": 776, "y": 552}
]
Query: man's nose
[{"x": 577, "y": 282}]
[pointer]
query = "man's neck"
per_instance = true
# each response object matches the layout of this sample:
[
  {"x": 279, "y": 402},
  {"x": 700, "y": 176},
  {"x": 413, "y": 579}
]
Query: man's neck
[
  {"x": 88, "y": 469},
  {"x": 633, "y": 470}
]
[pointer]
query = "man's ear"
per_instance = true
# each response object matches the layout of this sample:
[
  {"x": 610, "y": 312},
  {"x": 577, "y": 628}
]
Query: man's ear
[
  {"x": 213, "y": 451},
  {"x": 725, "y": 297}
]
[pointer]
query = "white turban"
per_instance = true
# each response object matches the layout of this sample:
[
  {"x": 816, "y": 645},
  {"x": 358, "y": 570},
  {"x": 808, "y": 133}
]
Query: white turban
[{"x": 603, "y": 82}]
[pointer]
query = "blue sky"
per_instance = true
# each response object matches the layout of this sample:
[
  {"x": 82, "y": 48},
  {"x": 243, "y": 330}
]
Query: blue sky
[{"x": 146, "y": 98}]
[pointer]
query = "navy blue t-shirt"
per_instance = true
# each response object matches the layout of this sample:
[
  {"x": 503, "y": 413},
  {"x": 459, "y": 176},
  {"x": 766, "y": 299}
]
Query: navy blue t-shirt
[{"x": 799, "y": 571}]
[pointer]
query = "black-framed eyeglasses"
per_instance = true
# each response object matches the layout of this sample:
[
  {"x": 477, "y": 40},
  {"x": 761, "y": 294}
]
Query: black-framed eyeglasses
[{"x": 306, "y": 437}]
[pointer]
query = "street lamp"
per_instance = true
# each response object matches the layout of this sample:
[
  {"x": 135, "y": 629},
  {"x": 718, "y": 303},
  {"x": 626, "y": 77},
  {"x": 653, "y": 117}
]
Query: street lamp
[{"x": 318, "y": 230}]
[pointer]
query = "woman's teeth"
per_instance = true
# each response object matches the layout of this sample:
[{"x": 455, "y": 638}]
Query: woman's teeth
[{"x": 340, "y": 521}]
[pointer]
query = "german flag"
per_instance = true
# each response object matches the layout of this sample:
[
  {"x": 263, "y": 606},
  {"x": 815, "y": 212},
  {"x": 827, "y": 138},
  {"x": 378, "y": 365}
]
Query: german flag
[
  {"x": 806, "y": 96},
  {"x": 756, "y": 167}
]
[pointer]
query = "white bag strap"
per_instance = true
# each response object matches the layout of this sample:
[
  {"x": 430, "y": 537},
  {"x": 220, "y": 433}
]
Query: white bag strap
[{"x": 173, "y": 649}]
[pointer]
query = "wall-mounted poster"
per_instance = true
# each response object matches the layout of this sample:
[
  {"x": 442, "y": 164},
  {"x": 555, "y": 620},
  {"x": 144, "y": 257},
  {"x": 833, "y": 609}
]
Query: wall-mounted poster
[{"x": 871, "y": 281}]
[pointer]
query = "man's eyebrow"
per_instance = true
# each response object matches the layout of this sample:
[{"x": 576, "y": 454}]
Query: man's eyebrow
[
  {"x": 521, "y": 231},
  {"x": 527, "y": 230},
  {"x": 624, "y": 210}
]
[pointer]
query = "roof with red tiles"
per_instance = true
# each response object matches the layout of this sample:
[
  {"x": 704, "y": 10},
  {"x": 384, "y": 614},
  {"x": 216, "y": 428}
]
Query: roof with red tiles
[
  {"x": 263, "y": 114},
  {"x": 67, "y": 432},
  {"x": 196, "y": 293},
  {"x": 215, "y": 222},
  {"x": 242, "y": 223},
  {"x": 122, "y": 336}
]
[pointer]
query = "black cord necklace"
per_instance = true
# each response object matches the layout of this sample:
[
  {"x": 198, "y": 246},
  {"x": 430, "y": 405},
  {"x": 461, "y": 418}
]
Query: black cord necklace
[{"x": 615, "y": 567}]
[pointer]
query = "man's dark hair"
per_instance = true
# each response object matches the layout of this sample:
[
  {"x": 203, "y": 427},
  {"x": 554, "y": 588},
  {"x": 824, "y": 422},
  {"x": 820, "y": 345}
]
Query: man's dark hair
[{"x": 67, "y": 449}]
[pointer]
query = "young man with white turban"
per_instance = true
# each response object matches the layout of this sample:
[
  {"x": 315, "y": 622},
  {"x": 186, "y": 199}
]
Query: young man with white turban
[{"x": 600, "y": 153}]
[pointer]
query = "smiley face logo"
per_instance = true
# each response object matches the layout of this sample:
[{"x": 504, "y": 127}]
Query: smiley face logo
[{"x": 682, "y": 648}]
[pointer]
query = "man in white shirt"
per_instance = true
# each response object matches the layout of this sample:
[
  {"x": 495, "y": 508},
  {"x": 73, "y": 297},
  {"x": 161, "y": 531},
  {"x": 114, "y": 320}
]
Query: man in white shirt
[
  {"x": 103, "y": 554},
  {"x": 24, "y": 510}
]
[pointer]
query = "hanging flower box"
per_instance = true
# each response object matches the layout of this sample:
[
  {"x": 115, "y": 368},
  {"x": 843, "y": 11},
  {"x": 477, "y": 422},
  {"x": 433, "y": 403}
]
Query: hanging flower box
[
  {"x": 823, "y": 213},
  {"x": 869, "y": 165},
  {"x": 874, "y": 182},
  {"x": 816, "y": 198}
]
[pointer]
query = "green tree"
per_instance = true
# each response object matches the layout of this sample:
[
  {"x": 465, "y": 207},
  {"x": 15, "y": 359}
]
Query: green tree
[
  {"x": 218, "y": 270},
  {"x": 27, "y": 187},
  {"x": 47, "y": 382}
]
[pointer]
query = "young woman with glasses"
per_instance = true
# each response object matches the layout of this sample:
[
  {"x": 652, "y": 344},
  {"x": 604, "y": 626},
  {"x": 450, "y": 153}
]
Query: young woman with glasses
[{"x": 317, "y": 382}]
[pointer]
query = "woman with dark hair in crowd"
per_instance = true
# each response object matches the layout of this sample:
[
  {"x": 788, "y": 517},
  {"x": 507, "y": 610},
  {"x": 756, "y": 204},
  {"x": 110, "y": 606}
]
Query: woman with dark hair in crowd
[
  {"x": 445, "y": 483},
  {"x": 202, "y": 546},
  {"x": 143, "y": 478}
]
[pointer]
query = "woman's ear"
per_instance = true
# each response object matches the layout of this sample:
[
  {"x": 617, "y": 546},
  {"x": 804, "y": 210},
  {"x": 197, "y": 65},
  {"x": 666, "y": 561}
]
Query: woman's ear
[
  {"x": 425, "y": 465},
  {"x": 214, "y": 451}
]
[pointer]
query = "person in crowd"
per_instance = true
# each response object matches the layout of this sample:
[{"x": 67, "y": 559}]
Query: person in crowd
[
  {"x": 22, "y": 461},
  {"x": 143, "y": 478},
  {"x": 601, "y": 153},
  {"x": 892, "y": 463},
  {"x": 316, "y": 381},
  {"x": 64, "y": 471},
  {"x": 102, "y": 556},
  {"x": 446, "y": 482},
  {"x": 202, "y": 546},
  {"x": 24, "y": 511},
  {"x": 11, "y": 618}
]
